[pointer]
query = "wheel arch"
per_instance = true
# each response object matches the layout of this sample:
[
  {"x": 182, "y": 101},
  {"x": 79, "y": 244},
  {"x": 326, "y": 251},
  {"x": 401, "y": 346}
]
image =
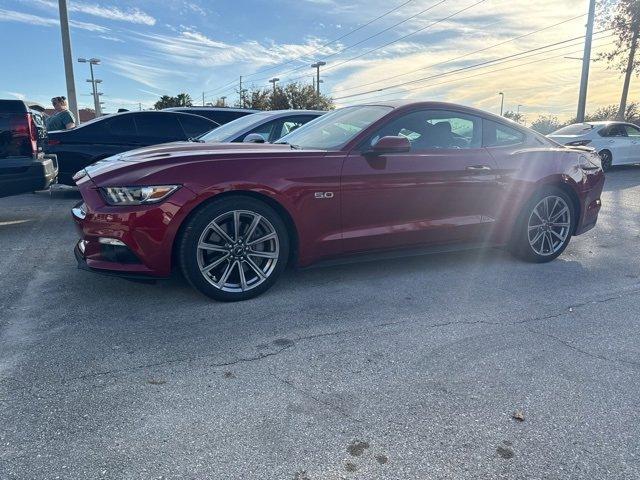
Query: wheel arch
[{"x": 273, "y": 203}]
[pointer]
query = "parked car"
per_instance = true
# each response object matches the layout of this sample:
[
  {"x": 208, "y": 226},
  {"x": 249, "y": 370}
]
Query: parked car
[
  {"x": 618, "y": 143},
  {"x": 261, "y": 127},
  {"x": 220, "y": 115},
  {"x": 362, "y": 180},
  {"x": 24, "y": 167},
  {"x": 105, "y": 136}
]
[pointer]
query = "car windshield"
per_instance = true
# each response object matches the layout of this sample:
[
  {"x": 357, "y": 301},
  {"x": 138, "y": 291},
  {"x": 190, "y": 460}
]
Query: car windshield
[
  {"x": 233, "y": 128},
  {"x": 575, "y": 129},
  {"x": 333, "y": 130}
]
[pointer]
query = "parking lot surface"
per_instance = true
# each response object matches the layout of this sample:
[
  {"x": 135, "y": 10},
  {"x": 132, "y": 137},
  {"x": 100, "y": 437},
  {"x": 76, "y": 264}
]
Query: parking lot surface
[{"x": 399, "y": 369}]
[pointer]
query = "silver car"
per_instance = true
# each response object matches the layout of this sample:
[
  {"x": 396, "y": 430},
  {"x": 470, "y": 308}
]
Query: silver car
[{"x": 261, "y": 127}]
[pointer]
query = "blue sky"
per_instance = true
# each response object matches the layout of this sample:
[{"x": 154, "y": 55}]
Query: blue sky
[{"x": 154, "y": 47}]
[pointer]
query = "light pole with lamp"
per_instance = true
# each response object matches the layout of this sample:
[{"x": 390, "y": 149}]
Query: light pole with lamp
[
  {"x": 501, "y": 102},
  {"x": 96, "y": 99}
]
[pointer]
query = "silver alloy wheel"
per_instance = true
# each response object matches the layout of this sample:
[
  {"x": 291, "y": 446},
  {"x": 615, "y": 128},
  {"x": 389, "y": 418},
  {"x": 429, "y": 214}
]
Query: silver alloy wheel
[
  {"x": 549, "y": 225},
  {"x": 238, "y": 251}
]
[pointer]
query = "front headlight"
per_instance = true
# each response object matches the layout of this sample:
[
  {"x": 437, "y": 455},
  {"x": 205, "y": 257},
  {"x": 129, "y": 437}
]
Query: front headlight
[
  {"x": 589, "y": 162},
  {"x": 141, "y": 195}
]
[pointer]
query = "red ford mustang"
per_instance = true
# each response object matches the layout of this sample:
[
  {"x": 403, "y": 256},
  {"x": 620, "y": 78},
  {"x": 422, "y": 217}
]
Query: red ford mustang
[{"x": 360, "y": 180}]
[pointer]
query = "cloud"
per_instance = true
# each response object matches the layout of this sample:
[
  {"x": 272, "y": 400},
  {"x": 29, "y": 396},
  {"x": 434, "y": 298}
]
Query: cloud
[
  {"x": 13, "y": 16},
  {"x": 134, "y": 69},
  {"x": 131, "y": 15},
  {"x": 19, "y": 96}
]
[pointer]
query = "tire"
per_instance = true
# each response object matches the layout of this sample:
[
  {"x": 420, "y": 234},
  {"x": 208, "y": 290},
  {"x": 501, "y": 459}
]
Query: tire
[
  {"x": 533, "y": 221},
  {"x": 606, "y": 159},
  {"x": 227, "y": 266}
]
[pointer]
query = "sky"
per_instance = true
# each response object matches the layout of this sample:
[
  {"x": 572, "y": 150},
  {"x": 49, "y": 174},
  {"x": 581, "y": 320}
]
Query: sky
[{"x": 418, "y": 49}]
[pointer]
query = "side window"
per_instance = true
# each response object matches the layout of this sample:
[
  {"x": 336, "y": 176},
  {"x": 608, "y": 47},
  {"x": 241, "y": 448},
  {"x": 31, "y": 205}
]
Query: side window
[
  {"x": 264, "y": 130},
  {"x": 194, "y": 126},
  {"x": 632, "y": 131},
  {"x": 615, "y": 131},
  {"x": 163, "y": 126},
  {"x": 289, "y": 125},
  {"x": 497, "y": 135},
  {"x": 121, "y": 126},
  {"x": 429, "y": 129}
]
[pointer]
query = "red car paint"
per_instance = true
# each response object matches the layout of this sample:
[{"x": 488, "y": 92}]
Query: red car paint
[{"x": 378, "y": 203}]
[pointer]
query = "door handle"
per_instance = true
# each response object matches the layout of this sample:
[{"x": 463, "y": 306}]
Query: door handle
[{"x": 479, "y": 168}]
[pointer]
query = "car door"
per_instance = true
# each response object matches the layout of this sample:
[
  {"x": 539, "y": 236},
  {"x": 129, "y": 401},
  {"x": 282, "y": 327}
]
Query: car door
[
  {"x": 440, "y": 191},
  {"x": 633, "y": 151},
  {"x": 617, "y": 142}
]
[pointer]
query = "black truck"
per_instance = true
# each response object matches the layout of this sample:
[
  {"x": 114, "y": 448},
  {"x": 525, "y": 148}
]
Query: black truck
[{"x": 24, "y": 167}]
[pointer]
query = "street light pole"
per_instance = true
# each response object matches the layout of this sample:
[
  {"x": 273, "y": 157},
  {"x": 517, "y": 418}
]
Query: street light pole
[
  {"x": 94, "y": 82},
  {"x": 68, "y": 62},
  {"x": 501, "y": 102},
  {"x": 586, "y": 60},
  {"x": 273, "y": 98},
  {"x": 317, "y": 66}
]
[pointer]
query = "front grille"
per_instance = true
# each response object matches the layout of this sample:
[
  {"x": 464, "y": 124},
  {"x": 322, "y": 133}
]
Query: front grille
[{"x": 118, "y": 254}]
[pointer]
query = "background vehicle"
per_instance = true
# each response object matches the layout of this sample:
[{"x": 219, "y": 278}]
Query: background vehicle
[
  {"x": 618, "y": 143},
  {"x": 270, "y": 126},
  {"x": 112, "y": 134},
  {"x": 220, "y": 115},
  {"x": 360, "y": 180},
  {"x": 23, "y": 165}
]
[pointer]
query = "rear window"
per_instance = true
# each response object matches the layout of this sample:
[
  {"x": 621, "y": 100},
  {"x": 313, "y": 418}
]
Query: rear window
[
  {"x": 121, "y": 126},
  {"x": 495, "y": 134},
  {"x": 575, "y": 129},
  {"x": 161, "y": 126}
]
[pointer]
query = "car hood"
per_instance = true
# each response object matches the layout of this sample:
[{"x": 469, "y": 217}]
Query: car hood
[{"x": 146, "y": 160}]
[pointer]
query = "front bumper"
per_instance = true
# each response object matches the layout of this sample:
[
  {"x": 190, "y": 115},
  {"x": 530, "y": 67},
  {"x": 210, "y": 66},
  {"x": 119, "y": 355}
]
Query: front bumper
[
  {"x": 134, "y": 242},
  {"x": 592, "y": 186}
]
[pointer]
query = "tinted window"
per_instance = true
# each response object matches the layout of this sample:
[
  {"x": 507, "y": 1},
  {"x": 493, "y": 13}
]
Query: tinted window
[
  {"x": 195, "y": 126},
  {"x": 121, "y": 126},
  {"x": 496, "y": 135},
  {"x": 161, "y": 125},
  {"x": 434, "y": 129},
  {"x": 614, "y": 131},
  {"x": 632, "y": 131}
]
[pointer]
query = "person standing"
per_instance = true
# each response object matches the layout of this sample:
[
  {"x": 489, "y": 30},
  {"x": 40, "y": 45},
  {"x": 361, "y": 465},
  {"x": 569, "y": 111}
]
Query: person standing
[{"x": 62, "y": 119}]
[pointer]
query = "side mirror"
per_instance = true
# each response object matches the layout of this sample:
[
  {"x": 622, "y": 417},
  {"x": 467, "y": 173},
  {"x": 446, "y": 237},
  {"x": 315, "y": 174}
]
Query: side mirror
[
  {"x": 254, "y": 138},
  {"x": 391, "y": 145}
]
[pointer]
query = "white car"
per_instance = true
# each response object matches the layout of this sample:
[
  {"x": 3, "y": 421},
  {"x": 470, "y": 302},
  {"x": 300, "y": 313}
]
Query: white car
[{"x": 618, "y": 143}]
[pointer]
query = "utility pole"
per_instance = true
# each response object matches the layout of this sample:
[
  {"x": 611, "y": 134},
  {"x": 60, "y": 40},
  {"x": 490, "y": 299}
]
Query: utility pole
[
  {"x": 223, "y": 101},
  {"x": 203, "y": 99},
  {"x": 68, "y": 59},
  {"x": 501, "y": 102},
  {"x": 273, "y": 98},
  {"x": 94, "y": 82},
  {"x": 241, "y": 92},
  {"x": 317, "y": 66},
  {"x": 627, "y": 77},
  {"x": 586, "y": 61},
  {"x": 140, "y": 106}
]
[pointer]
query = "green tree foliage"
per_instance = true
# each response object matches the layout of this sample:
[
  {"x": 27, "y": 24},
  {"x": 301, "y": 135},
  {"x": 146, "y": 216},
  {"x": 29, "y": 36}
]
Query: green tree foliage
[
  {"x": 622, "y": 17},
  {"x": 546, "y": 124},
  {"x": 293, "y": 95},
  {"x": 515, "y": 116},
  {"x": 180, "y": 100}
]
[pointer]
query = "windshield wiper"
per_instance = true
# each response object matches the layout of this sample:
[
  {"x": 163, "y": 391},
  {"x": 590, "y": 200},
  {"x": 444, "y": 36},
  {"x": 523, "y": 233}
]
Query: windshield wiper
[
  {"x": 197, "y": 140},
  {"x": 293, "y": 146}
]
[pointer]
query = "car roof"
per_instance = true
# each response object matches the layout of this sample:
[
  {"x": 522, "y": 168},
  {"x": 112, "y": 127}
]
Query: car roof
[
  {"x": 213, "y": 109},
  {"x": 284, "y": 113}
]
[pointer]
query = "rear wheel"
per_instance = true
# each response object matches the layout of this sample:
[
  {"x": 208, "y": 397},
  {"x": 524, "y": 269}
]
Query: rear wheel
[
  {"x": 606, "y": 159},
  {"x": 544, "y": 227},
  {"x": 234, "y": 249}
]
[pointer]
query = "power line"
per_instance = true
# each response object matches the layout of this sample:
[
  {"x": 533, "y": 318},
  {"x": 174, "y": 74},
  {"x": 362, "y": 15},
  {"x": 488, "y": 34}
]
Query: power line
[
  {"x": 487, "y": 62},
  {"x": 360, "y": 42},
  {"x": 466, "y": 54},
  {"x": 421, "y": 87},
  {"x": 318, "y": 49}
]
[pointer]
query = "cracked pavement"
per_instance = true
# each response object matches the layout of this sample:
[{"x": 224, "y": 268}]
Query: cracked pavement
[{"x": 398, "y": 369}]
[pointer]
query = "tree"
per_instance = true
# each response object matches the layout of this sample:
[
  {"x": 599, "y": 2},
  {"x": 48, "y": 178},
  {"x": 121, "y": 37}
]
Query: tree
[
  {"x": 623, "y": 19},
  {"x": 515, "y": 116},
  {"x": 293, "y": 95},
  {"x": 546, "y": 124},
  {"x": 180, "y": 100}
]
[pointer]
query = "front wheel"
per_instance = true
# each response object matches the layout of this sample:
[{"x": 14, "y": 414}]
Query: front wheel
[
  {"x": 606, "y": 159},
  {"x": 544, "y": 227},
  {"x": 234, "y": 249}
]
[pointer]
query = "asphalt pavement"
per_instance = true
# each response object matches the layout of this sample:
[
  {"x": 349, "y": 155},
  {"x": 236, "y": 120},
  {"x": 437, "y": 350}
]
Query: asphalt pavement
[{"x": 410, "y": 368}]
